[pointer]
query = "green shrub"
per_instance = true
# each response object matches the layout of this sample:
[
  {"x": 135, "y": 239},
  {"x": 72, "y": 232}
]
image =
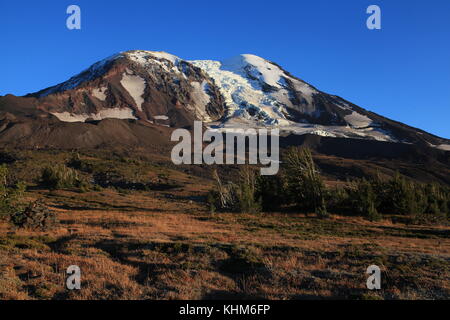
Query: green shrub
[
  {"x": 322, "y": 212},
  {"x": 362, "y": 200},
  {"x": 212, "y": 199},
  {"x": 35, "y": 216},
  {"x": 77, "y": 163},
  {"x": 60, "y": 177},
  {"x": 239, "y": 196},
  {"x": 372, "y": 213},
  {"x": 337, "y": 200},
  {"x": 395, "y": 196},
  {"x": 223, "y": 197},
  {"x": 437, "y": 200},
  {"x": 398, "y": 196},
  {"x": 10, "y": 197}
]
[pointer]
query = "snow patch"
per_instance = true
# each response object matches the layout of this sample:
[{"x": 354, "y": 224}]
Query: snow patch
[
  {"x": 148, "y": 58},
  {"x": 445, "y": 147},
  {"x": 201, "y": 98},
  {"x": 135, "y": 85},
  {"x": 100, "y": 93},
  {"x": 358, "y": 120},
  {"x": 164, "y": 55},
  {"x": 111, "y": 113},
  {"x": 320, "y": 130}
]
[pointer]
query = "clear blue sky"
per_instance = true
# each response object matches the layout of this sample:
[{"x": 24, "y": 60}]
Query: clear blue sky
[{"x": 401, "y": 71}]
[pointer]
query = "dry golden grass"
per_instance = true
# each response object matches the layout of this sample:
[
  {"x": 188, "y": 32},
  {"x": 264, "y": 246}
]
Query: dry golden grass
[{"x": 165, "y": 245}]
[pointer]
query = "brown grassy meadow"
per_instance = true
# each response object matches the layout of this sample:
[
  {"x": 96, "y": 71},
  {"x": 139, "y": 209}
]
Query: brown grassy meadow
[{"x": 166, "y": 245}]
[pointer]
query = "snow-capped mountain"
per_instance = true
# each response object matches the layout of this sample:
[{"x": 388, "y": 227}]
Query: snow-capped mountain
[
  {"x": 153, "y": 86},
  {"x": 245, "y": 91}
]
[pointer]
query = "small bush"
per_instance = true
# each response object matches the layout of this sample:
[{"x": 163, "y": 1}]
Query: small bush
[
  {"x": 337, "y": 200},
  {"x": 223, "y": 197},
  {"x": 60, "y": 177},
  {"x": 10, "y": 197},
  {"x": 212, "y": 200},
  {"x": 36, "y": 216},
  {"x": 322, "y": 212},
  {"x": 372, "y": 213},
  {"x": 237, "y": 197},
  {"x": 398, "y": 196},
  {"x": 362, "y": 200},
  {"x": 243, "y": 260},
  {"x": 77, "y": 163}
]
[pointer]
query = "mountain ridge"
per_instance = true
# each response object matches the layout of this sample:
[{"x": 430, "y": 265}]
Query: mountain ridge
[{"x": 244, "y": 91}]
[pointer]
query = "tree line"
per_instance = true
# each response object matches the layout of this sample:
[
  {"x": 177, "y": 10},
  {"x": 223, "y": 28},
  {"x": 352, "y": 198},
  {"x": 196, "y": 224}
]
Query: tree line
[{"x": 300, "y": 187}]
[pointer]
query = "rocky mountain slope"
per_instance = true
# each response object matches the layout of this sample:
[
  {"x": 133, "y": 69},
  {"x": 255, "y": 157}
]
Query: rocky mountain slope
[
  {"x": 155, "y": 87},
  {"x": 245, "y": 91}
]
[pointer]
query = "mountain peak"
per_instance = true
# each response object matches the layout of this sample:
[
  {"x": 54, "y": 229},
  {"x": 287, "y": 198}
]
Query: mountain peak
[
  {"x": 143, "y": 56},
  {"x": 245, "y": 90}
]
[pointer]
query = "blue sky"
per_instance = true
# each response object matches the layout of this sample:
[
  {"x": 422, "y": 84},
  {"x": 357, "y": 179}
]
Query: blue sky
[{"x": 401, "y": 71}]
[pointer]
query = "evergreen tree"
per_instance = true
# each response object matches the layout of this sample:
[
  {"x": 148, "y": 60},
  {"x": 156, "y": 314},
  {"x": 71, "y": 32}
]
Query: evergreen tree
[
  {"x": 246, "y": 191},
  {"x": 363, "y": 200},
  {"x": 271, "y": 191},
  {"x": 304, "y": 184}
]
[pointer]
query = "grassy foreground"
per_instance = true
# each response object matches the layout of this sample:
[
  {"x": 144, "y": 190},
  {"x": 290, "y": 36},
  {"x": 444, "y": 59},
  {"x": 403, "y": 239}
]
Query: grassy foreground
[{"x": 166, "y": 245}]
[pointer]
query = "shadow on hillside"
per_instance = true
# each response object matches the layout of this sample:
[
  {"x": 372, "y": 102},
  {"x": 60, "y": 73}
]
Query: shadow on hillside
[{"x": 416, "y": 233}]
